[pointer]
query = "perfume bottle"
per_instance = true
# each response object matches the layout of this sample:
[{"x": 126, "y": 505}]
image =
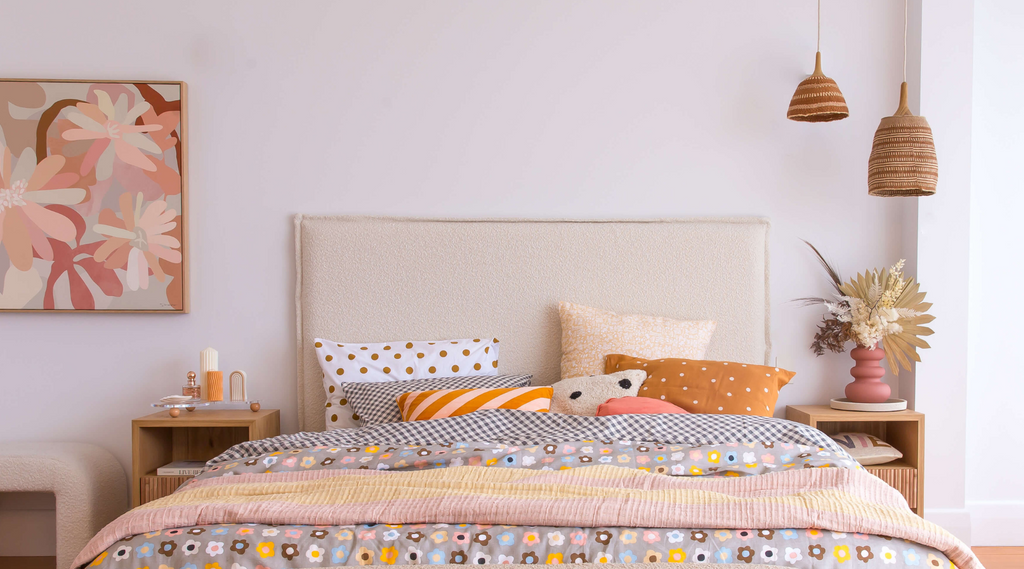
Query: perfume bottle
[{"x": 191, "y": 389}]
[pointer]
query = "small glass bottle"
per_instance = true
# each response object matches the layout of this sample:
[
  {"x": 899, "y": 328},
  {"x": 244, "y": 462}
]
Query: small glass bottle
[{"x": 191, "y": 389}]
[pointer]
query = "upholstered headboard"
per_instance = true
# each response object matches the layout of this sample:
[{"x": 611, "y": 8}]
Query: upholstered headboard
[{"x": 373, "y": 279}]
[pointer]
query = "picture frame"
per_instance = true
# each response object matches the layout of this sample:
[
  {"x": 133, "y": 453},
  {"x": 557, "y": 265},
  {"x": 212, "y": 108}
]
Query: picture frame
[{"x": 94, "y": 196}]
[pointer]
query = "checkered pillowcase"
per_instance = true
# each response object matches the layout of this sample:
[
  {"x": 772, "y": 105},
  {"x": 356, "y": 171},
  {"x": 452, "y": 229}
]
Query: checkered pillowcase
[
  {"x": 374, "y": 403},
  {"x": 512, "y": 426}
]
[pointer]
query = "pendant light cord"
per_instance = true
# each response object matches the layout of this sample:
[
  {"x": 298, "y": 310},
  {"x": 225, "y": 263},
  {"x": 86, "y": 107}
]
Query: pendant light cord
[
  {"x": 819, "y": 26},
  {"x": 905, "y": 18}
]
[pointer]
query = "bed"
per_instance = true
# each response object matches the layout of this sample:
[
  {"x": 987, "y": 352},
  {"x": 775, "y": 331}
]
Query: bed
[{"x": 505, "y": 486}]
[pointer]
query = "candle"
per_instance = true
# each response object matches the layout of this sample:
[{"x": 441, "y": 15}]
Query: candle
[
  {"x": 215, "y": 382},
  {"x": 207, "y": 362}
]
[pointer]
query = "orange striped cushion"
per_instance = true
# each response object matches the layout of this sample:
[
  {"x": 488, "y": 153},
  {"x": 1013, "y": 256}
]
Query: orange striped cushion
[{"x": 440, "y": 403}]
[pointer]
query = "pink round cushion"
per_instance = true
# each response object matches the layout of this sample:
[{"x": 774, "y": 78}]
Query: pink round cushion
[{"x": 637, "y": 406}]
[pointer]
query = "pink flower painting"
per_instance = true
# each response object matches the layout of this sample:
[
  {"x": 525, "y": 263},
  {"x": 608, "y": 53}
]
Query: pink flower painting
[
  {"x": 112, "y": 131},
  {"x": 137, "y": 239},
  {"x": 92, "y": 198},
  {"x": 25, "y": 223}
]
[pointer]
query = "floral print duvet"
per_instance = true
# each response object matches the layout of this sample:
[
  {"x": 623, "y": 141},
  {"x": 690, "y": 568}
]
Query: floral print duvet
[
  {"x": 252, "y": 546},
  {"x": 282, "y": 546}
]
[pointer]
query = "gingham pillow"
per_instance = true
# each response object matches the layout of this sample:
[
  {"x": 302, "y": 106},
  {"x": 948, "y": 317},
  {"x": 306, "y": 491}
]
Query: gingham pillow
[{"x": 374, "y": 403}]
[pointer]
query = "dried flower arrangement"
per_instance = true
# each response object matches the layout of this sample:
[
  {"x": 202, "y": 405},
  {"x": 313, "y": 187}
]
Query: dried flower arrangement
[{"x": 877, "y": 306}]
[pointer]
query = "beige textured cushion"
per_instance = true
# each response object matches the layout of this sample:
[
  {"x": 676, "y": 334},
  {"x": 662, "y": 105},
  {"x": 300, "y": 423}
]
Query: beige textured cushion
[
  {"x": 867, "y": 449},
  {"x": 589, "y": 334}
]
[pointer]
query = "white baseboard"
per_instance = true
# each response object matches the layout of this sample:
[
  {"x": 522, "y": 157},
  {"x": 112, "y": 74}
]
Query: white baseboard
[
  {"x": 997, "y": 523},
  {"x": 955, "y": 521}
]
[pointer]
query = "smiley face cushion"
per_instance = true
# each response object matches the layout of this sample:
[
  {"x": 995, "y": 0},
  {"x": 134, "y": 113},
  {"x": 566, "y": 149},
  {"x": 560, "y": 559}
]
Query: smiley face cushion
[{"x": 582, "y": 395}]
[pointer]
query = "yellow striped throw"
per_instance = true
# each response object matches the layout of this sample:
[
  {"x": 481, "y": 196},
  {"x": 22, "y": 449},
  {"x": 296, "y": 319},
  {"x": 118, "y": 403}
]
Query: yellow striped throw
[{"x": 440, "y": 403}]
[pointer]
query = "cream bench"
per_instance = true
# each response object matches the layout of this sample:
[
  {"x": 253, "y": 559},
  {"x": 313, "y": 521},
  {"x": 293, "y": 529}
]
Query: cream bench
[{"x": 88, "y": 483}]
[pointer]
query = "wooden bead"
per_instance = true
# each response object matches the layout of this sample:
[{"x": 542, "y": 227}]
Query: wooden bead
[
  {"x": 174, "y": 412},
  {"x": 254, "y": 406}
]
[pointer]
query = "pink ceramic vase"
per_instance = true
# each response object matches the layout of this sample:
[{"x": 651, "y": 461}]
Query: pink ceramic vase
[{"x": 867, "y": 386}]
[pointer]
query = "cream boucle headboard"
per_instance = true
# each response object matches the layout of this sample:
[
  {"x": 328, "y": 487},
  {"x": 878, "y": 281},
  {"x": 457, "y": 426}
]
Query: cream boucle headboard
[{"x": 373, "y": 279}]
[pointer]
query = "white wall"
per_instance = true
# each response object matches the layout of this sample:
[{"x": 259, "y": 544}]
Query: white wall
[
  {"x": 995, "y": 495},
  {"x": 947, "y": 36},
  {"x": 588, "y": 109}
]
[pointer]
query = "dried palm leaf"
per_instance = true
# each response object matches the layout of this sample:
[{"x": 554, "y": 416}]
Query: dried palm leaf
[
  {"x": 913, "y": 340},
  {"x": 877, "y": 289},
  {"x": 895, "y": 351}
]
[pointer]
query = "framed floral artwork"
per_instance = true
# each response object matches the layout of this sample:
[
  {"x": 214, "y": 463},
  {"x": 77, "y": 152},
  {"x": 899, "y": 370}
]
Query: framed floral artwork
[{"x": 93, "y": 196}]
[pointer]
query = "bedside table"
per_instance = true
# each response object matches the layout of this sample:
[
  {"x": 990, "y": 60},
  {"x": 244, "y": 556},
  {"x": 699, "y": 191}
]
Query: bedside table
[
  {"x": 904, "y": 430},
  {"x": 158, "y": 439}
]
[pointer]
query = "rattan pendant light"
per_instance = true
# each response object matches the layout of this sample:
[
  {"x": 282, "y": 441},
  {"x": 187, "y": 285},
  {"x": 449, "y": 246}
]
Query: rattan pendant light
[
  {"x": 903, "y": 161},
  {"x": 817, "y": 98}
]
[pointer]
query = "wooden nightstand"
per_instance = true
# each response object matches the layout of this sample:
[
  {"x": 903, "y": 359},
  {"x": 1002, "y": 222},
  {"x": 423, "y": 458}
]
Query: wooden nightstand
[
  {"x": 158, "y": 439},
  {"x": 904, "y": 430}
]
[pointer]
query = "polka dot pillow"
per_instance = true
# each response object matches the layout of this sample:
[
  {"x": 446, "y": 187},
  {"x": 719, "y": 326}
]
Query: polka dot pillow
[
  {"x": 397, "y": 361},
  {"x": 700, "y": 386}
]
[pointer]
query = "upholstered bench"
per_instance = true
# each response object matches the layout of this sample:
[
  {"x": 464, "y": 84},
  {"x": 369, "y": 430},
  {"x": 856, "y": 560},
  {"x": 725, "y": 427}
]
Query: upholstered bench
[{"x": 89, "y": 485}]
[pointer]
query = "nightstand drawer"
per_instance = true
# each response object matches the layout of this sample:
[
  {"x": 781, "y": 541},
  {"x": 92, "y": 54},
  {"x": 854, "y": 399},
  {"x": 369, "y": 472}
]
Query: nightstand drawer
[
  {"x": 153, "y": 486},
  {"x": 899, "y": 475}
]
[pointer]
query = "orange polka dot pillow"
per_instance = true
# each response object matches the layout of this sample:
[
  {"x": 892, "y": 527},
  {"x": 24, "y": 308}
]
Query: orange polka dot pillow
[
  {"x": 700, "y": 386},
  {"x": 343, "y": 362},
  {"x": 441, "y": 403},
  {"x": 588, "y": 334}
]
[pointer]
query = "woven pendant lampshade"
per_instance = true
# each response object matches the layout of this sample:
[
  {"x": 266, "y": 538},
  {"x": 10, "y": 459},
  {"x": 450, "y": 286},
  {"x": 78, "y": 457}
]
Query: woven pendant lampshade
[
  {"x": 903, "y": 161},
  {"x": 817, "y": 98}
]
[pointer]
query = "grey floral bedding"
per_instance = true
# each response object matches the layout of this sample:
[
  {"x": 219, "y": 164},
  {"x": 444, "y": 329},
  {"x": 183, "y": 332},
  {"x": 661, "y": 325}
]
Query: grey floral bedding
[
  {"x": 272, "y": 547},
  {"x": 261, "y": 546}
]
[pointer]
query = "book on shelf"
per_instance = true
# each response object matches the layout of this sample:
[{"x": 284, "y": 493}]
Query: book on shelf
[{"x": 181, "y": 468}]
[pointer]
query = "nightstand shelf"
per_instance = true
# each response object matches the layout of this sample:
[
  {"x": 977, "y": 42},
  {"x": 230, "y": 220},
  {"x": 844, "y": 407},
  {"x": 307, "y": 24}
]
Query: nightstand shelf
[
  {"x": 158, "y": 439},
  {"x": 904, "y": 430},
  {"x": 898, "y": 464}
]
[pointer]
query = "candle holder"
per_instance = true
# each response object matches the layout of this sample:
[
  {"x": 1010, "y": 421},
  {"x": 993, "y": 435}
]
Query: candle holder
[{"x": 237, "y": 381}]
